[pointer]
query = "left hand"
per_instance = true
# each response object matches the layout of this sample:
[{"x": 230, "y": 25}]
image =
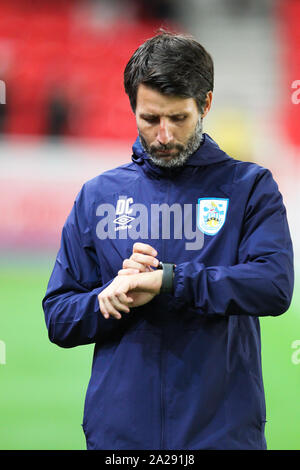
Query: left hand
[{"x": 131, "y": 290}]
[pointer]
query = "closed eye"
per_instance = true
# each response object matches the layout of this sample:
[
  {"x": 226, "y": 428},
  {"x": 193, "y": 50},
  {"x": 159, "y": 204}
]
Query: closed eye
[
  {"x": 178, "y": 118},
  {"x": 155, "y": 119},
  {"x": 151, "y": 119}
]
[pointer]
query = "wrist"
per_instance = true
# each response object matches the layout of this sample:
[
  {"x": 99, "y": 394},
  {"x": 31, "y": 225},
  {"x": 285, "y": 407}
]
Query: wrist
[
  {"x": 149, "y": 282},
  {"x": 158, "y": 278}
]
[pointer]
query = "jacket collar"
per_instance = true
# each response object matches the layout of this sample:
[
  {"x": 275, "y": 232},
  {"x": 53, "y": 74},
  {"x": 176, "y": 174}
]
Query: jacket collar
[{"x": 207, "y": 154}]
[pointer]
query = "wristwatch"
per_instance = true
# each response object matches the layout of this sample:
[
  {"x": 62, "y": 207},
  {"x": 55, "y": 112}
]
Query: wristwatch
[{"x": 167, "y": 279}]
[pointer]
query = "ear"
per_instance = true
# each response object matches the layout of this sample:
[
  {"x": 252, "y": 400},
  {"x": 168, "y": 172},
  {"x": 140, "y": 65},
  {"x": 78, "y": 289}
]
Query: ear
[{"x": 208, "y": 102}]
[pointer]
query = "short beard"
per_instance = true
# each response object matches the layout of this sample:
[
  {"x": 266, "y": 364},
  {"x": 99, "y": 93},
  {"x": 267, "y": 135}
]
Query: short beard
[{"x": 185, "y": 152}]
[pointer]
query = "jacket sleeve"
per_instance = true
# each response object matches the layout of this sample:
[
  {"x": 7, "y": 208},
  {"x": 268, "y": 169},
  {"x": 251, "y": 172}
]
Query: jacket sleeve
[
  {"x": 261, "y": 283},
  {"x": 70, "y": 304}
]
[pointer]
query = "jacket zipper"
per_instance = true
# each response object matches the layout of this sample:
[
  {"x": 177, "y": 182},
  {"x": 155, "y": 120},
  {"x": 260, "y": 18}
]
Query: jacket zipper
[
  {"x": 162, "y": 361},
  {"x": 162, "y": 398}
]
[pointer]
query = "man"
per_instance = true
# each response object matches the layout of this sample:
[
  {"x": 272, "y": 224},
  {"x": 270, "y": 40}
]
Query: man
[{"x": 166, "y": 264}]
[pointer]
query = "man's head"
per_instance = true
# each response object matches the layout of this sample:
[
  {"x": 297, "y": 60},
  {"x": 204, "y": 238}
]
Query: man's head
[{"x": 169, "y": 81}]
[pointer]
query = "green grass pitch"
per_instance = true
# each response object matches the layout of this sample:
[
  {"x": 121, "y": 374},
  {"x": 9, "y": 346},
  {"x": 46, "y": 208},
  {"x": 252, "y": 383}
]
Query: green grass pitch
[{"x": 42, "y": 386}]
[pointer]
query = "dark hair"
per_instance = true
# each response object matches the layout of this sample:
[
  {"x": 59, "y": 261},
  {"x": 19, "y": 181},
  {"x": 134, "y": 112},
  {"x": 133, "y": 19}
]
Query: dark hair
[{"x": 173, "y": 64}]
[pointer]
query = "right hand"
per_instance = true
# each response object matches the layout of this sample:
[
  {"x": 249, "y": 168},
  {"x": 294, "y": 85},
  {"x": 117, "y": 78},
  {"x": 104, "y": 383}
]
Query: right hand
[{"x": 143, "y": 259}]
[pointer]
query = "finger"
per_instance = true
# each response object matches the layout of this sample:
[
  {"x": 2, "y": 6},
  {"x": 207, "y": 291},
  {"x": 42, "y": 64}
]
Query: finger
[
  {"x": 124, "y": 299},
  {"x": 130, "y": 263},
  {"x": 139, "y": 247},
  {"x": 112, "y": 312},
  {"x": 118, "y": 304},
  {"x": 146, "y": 260},
  {"x": 125, "y": 272},
  {"x": 103, "y": 310},
  {"x": 141, "y": 268}
]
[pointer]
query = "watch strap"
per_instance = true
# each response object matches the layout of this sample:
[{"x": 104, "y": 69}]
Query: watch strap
[{"x": 167, "y": 279}]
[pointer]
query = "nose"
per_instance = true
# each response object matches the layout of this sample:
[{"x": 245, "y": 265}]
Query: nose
[{"x": 164, "y": 135}]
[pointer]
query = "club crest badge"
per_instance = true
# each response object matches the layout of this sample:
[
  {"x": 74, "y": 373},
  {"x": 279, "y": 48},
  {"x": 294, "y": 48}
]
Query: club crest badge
[{"x": 211, "y": 214}]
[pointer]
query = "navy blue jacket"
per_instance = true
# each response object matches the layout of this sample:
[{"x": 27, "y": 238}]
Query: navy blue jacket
[{"x": 183, "y": 371}]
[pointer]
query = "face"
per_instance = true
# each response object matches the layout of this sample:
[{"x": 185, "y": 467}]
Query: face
[{"x": 170, "y": 128}]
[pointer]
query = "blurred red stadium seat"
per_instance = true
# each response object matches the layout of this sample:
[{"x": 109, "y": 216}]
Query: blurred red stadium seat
[{"x": 88, "y": 65}]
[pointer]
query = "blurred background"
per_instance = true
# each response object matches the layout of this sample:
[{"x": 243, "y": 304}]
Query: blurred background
[{"x": 64, "y": 118}]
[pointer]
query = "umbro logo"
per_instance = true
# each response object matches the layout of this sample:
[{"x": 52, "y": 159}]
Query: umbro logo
[{"x": 122, "y": 211}]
